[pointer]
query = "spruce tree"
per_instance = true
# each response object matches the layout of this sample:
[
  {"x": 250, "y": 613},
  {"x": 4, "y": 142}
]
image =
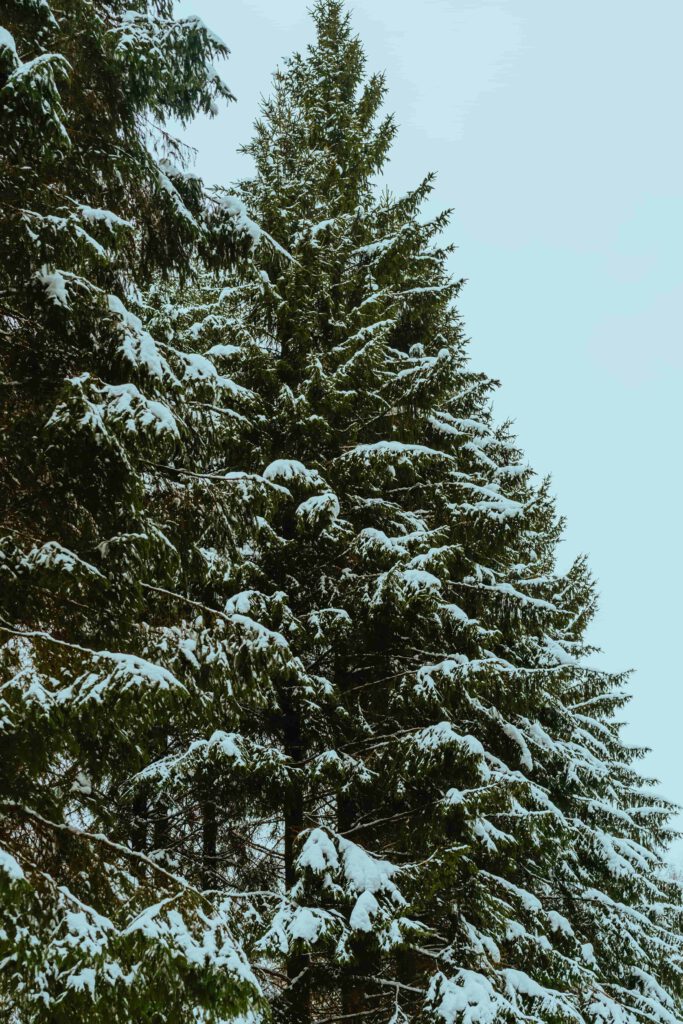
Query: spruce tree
[
  {"x": 97, "y": 673},
  {"x": 441, "y": 821}
]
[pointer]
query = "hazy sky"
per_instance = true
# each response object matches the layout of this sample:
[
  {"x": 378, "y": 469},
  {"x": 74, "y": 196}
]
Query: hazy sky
[{"x": 555, "y": 131}]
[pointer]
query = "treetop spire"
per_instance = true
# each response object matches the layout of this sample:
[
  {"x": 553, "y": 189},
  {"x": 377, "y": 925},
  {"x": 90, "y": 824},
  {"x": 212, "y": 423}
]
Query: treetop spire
[{"x": 322, "y": 129}]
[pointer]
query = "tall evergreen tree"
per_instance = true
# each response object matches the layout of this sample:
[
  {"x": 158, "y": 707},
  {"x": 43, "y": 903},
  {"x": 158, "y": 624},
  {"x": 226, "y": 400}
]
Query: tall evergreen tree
[
  {"x": 94, "y": 924},
  {"x": 440, "y": 820}
]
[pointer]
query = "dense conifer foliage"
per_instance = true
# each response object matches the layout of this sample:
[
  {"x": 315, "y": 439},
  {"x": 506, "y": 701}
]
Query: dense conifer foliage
[
  {"x": 93, "y": 928},
  {"x": 299, "y": 713},
  {"x": 462, "y": 835}
]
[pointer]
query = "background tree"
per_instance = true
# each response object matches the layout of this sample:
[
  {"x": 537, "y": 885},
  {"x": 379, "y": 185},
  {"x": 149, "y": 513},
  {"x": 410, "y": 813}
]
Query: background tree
[{"x": 94, "y": 672}]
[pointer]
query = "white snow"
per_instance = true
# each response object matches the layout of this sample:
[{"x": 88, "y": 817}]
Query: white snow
[
  {"x": 559, "y": 923},
  {"x": 54, "y": 284},
  {"x": 264, "y": 637},
  {"x": 213, "y": 948},
  {"x": 520, "y": 982},
  {"x": 53, "y": 555},
  {"x": 525, "y": 754},
  {"x": 558, "y": 653},
  {"x": 224, "y": 350},
  {"x": 306, "y": 924},
  {"x": 365, "y": 909},
  {"x": 469, "y": 998},
  {"x": 226, "y": 743},
  {"x": 7, "y": 41},
  {"x": 169, "y": 187},
  {"x": 238, "y": 210},
  {"x": 315, "y": 229},
  {"x": 289, "y": 923},
  {"x": 366, "y": 873},
  {"x": 242, "y": 603},
  {"x": 320, "y": 505},
  {"x": 373, "y": 247},
  {"x": 138, "y": 346},
  {"x": 433, "y": 737},
  {"x": 129, "y": 672},
  {"x": 82, "y": 784},
  {"x": 129, "y": 405},
  {"x": 318, "y": 853},
  {"x": 457, "y": 613},
  {"x": 95, "y": 215},
  {"x": 371, "y": 541},
  {"x": 368, "y": 451},
  {"x": 10, "y": 866},
  {"x": 526, "y": 898},
  {"x": 419, "y": 580},
  {"x": 287, "y": 470},
  {"x": 198, "y": 367},
  {"x": 85, "y": 978}
]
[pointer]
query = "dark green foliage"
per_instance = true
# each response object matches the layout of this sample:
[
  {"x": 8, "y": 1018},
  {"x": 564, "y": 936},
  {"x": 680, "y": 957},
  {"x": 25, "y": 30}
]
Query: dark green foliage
[
  {"x": 93, "y": 928},
  {"x": 290, "y": 675},
  {"x": 465, "y": 836}
]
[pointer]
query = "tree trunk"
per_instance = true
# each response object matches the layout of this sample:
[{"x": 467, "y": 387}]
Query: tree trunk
[
  {"x": 161, "y": 832},
  {"x": 209, "y": 844},
  {"x": 139, "y": 829},
  {"x": 353, "y": 994},
  {"x": 297, "y": 1000}
]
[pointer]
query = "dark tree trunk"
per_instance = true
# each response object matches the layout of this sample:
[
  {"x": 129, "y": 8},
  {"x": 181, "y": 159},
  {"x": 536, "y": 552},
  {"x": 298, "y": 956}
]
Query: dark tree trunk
[
  {"x": 140, "y": 829},
  {"x": 353, "y": 988},
  {"x": 209, "y": 844},
  {"x": 297, "y": 1001},
  {"x": 161, "y": 826}
]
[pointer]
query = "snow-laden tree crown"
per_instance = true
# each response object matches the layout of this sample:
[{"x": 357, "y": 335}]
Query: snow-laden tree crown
[
  {"x": 298, "y": 715},
  {"x": 96, "y": 925}
]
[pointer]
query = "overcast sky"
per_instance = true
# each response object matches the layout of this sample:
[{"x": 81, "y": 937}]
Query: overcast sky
[{"x": 555, "y": 131}]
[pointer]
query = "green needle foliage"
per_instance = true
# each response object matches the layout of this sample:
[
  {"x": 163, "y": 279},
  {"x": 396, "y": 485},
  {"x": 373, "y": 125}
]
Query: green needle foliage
[
  {"x": 455, "y": 831},
  {"x": 299, "y": 718},
  {"x": 92, "y": 927}
]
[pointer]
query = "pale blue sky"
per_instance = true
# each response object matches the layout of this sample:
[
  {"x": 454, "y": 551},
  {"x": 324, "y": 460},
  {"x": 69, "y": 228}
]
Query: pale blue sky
[{"x": 555, "y": 131}]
